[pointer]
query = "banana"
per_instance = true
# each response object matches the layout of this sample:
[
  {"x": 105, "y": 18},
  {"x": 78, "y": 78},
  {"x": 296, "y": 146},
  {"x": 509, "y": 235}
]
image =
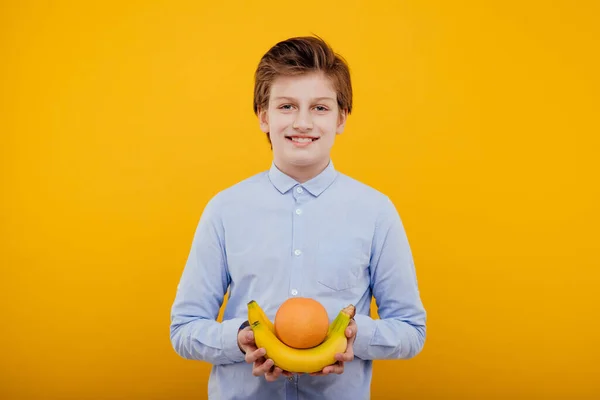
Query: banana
[
  {"x": 300, "y": 360},
  {"x": 256, "y": 313}
]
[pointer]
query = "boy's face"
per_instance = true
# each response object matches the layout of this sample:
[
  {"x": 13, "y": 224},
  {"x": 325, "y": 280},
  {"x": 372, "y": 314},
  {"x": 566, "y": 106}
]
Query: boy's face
[{"x": 302, "y": 119}]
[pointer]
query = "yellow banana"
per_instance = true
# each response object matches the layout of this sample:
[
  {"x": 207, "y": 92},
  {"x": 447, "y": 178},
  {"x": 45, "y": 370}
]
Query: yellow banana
[
  {"x": 290, "y": 359},
  {"x": 255, "y": 313}
]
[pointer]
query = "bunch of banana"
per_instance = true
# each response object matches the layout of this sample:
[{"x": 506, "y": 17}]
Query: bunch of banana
[{"x": 290, "y": 359}]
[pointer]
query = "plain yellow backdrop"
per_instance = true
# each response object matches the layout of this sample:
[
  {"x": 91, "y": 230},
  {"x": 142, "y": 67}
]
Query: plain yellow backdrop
[{"x": 119, "y": 120}]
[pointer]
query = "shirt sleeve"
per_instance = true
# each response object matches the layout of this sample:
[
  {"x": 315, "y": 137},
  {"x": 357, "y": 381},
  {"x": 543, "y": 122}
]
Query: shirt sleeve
[
  {"x": 399, "y": 333},
  {"x": 195, "y": 333}
]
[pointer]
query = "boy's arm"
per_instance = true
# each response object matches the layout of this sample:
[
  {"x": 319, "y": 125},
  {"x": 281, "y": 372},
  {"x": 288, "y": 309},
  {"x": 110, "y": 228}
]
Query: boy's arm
[
  {"x": 195, "y": 333},
  {"x": 400, "y": 331}
]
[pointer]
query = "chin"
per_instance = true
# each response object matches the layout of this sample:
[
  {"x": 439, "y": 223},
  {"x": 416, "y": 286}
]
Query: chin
[
  {"x": 302, "y": 162},
  {"x": 300, "y": 159},
  {"x": 306, "y": 162}
]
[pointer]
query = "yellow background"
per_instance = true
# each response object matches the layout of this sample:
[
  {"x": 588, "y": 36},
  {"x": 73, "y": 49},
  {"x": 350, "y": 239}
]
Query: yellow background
[{"x": 119, "y": 120}]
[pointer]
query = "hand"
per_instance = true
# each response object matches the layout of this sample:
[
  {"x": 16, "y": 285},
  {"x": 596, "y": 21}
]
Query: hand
[
  {"x": 347, "y": 356},
  {"x": 256, "y": 356}
]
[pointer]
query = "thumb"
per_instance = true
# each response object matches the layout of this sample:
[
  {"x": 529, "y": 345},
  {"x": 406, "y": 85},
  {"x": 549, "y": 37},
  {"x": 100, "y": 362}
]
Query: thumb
[
  {"x": 245, "y": 338},
  {"x": 350, "y": 332},
  {"x": 249, "y": 337}
]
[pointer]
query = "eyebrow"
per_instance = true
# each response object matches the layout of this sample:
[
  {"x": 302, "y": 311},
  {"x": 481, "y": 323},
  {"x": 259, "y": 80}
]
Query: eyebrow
[{"x": 292, "y": 99}]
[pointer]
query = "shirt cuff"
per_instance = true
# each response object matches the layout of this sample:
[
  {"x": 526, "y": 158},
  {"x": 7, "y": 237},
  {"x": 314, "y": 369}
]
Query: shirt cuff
[
  {"x": 365, "y": 330},
  {"x": 230, "y": 329}
]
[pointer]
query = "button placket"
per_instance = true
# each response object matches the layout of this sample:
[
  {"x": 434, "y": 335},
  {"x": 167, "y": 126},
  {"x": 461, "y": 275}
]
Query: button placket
[{"x": 298, "y": 241}]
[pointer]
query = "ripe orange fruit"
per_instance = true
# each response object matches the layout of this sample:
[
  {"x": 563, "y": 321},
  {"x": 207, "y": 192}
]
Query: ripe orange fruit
[{"x": 301, "y": 322}]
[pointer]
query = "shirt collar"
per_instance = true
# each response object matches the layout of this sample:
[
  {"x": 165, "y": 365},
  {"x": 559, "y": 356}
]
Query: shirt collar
[{"x": 315, "y": 186}]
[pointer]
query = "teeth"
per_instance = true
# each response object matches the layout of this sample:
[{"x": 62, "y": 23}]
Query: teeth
[{"x": 301, "y": 140}]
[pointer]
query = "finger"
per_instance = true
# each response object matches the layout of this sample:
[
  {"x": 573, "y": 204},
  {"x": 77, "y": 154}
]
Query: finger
[
  {"x": 336, "y": 368},
  {"x": 262, "y": 367},
  {"x": 253, "y": 354},
  {"x": 347, "y": 356},
  {"x": 274, "y": 374}
]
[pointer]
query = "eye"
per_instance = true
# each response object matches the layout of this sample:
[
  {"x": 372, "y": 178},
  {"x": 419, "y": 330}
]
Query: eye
[
  {"x": 321, "y": 108},
  {"x": 285, "y": 107}
]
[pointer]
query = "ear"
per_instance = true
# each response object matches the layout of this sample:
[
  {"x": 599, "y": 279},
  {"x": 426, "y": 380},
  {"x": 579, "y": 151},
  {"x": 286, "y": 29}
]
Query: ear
[
  {"x": 342, "y": 121},
  {"x": 263, "y": 120}
]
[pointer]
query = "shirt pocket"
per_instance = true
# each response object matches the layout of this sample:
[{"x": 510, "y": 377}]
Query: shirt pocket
[{"x": 342, "y": 266}]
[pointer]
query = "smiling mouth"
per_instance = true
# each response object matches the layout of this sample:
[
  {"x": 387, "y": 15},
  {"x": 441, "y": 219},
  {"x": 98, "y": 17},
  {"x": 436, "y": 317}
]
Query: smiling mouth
[{"x": 301, "y": 139}]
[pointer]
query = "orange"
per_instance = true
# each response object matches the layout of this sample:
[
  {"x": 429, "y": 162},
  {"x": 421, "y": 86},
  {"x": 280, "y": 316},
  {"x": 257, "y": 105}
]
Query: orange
[{"x": 301, "y": 322}]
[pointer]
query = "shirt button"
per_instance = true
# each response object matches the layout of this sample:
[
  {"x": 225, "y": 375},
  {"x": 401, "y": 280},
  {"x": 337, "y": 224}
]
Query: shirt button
[
  {"x": 298, "y": 211},
  {"x": 294, "y": 292},
  {"x": 297, "y": 252},
  {"x": 299, "y": 190}
]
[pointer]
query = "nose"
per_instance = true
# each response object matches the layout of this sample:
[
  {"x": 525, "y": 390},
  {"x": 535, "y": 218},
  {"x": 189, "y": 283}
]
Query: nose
[{"x": 303, "y": 121}]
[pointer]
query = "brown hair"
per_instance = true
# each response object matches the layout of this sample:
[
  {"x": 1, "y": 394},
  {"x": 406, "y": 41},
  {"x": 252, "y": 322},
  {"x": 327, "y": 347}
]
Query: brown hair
[{"x": 300, "y": 55}]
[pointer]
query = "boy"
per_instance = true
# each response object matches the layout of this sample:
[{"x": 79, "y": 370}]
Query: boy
[{"x": 299, "y": 229}]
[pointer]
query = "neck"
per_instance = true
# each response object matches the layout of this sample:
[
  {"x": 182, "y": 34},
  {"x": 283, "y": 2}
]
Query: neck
[{"x": 301, "y": 173}]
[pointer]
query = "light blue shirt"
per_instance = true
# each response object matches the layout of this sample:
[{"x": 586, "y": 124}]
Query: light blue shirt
[{"x": 269, "y": 238}]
